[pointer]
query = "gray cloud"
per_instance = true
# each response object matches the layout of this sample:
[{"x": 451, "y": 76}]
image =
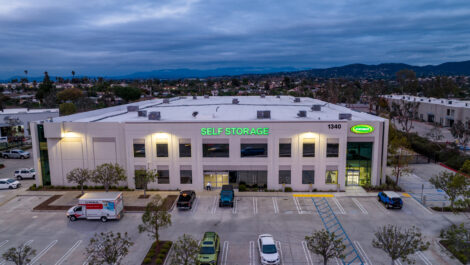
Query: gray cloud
[{"x": 113, "y": 37}]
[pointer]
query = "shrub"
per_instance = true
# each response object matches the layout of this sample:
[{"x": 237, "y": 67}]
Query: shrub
[
  {"x": 163, "y": 251},
  {"x": 288, "y": 189},
  {"x": 242, "y": 187},
  {"x": 147, "y": 260},
  {"x": 158, "y": 261},
  {"x": 161, "y": 256}
]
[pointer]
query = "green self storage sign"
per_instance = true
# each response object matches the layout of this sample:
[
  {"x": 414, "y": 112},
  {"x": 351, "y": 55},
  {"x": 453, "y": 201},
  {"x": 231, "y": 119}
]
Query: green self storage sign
[
  {"x": 362, "y": 129},
  {"x": 235, "y": 131}
]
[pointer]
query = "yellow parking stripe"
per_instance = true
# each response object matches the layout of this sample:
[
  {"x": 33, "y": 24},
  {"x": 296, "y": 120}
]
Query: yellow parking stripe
[
  {"x": 313, "y": 195},
  {"x": 406, "y": 195}
]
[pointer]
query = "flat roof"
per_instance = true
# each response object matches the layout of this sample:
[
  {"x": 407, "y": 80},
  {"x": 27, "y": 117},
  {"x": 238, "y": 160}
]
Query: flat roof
[
  {"x": 100, "y": 195},
  {"x": 220, "y": 108},
  {"x": 25, "y": 110},
  {"x": 437, "y": 101}
]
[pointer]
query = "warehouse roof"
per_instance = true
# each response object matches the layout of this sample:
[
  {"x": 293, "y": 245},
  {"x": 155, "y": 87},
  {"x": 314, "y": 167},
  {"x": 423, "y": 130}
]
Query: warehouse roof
[
  {"x": 438, "y": 101},
  {"x": 207, "y": 109}
]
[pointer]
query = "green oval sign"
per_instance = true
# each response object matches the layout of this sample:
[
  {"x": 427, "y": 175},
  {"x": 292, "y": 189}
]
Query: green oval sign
[{"x": 362, "y": 128}]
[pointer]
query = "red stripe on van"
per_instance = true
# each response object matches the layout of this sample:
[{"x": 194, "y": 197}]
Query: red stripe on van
[{"x": 93, "y": 206}]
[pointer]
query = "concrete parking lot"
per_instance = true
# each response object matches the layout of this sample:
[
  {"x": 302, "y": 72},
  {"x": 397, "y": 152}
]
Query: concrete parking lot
[{"x": 289, "y": 219}]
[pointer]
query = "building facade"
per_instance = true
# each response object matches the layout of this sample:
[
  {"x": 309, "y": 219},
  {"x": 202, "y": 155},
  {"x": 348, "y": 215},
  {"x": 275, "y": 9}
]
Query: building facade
[
  {"x": 270, "y": 142},
  {"x": 20, "y": 119}
]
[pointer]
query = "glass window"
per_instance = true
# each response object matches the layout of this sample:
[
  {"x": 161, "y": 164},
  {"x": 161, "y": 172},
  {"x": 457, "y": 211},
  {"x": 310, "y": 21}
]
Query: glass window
[
  {"x": 285, "y": 149},
  {"x": 185, "y": 150},
  {"x": 139, "y": 148},
  {"x": 250, "y": 150},
  {"x": 332, "y": 150},
  {"x": 308, "y": 176},
  {"x": 308, "y": 149},
  {"x": 284, "y": 176},
  {"x": 163, "y": 177},
  {"x": 331, "y": 177},
  {"x": 186, "y": 176},
  {"x": 162, "y": 150},
  {"x": 215, "y": 150}
]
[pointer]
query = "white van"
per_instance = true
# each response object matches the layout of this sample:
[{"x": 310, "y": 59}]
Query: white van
[{"x": 98, "y": 205}]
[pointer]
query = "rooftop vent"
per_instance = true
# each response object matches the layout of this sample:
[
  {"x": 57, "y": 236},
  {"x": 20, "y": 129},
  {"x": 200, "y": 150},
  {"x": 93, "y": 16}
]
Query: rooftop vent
[
  {"x": 429, "y": 100},
  {"x": 262, "y": 95},
  {"x": 166, "y": 101},
  {"x": 154, "y": 115},
  {"x": 235, "y": 101},
  {"x": 442, "y": 101},
  {"x": 466, "y": 104},
  {"x": 316, "y": 107},
  {"x": 132, "y": 108},
  {"x": 195, "y": 113},
  {"x": 302, "y": 114},
  {"x": 206, "y": 96},
  {"x": 296, "y": 100},
  {"x": 278, "y": 96},
  {"x": 421, "y": 99},
  {"x": 142, "y": 113},
  {"x": 263, "y": 114},
  {"x": 403, "y": 97},
  {"x": 194, "y": 97},
  {"x": 450, "y": 102},
  {"x": 345, "y": 116}
]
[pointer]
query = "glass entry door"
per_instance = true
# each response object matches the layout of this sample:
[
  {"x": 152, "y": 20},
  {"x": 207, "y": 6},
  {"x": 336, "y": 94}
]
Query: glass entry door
[
  {"x": 352, "y": 177},
  {"x": 217, "y": 179}
]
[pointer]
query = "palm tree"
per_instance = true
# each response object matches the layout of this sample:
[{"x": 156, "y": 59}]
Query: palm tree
[{"x": 73, "y": 75}]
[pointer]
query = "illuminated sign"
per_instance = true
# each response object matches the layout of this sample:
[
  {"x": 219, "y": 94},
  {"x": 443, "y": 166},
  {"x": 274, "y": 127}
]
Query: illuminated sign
[
  {"x": 235, "y": 131},
  {"x": 362, "y": 129}
]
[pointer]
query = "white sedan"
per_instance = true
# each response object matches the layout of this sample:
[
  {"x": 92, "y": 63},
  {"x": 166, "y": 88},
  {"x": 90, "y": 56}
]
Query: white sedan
[
  {"x": 267, "y": 250},
  {"x": 9, "y": 184}
]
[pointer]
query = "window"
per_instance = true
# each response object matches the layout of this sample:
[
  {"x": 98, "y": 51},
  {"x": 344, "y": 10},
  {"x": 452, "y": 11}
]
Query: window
[
  {"x": 448, "y": 112},
  {"x": 185, "y": 148},
  {"x": 284, "y": 176},
  {"x": 163, "y": 176},
  {"x": 331, "y": 177},
  {"x": 139, "y": 148},
  {"x": 162, "y": 150},
  {"x": 332, "y": 148},
  {"x": 186, "y": 176},
  {"x": 215, "y": 150},
  {"x": 308, "y": 176},
  {"x": 308, "y": 148},
  {"x": 254, "y": 150},
  {"x": 285, "y": 149}
]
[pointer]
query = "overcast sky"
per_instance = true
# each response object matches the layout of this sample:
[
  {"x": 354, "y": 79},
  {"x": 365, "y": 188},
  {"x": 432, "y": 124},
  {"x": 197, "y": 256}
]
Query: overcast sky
[{"x": 115, "y": 37}]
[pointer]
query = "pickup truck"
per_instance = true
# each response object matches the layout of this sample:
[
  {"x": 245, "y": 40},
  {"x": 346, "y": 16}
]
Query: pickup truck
[
  {"x": 186, "y": 199},
  {"x": 209, "y": 249},
  {"x": 391, "y": 199},
  {"x": 15, "y": 153},
  {"x": 227, "y": 196}
]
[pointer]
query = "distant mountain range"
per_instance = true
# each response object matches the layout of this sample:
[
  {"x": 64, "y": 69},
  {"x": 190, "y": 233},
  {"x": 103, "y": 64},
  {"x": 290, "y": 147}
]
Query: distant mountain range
[{"x": 386, "y": 71}]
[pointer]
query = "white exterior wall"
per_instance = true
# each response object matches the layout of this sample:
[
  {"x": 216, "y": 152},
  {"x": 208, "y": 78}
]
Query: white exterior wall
[{"x": 88, "y": 144}]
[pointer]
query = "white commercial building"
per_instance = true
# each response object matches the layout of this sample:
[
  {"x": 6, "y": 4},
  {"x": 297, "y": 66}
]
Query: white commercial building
[
  {"x": 19, "y": 118},
  {"x": 271, "y": 142}
]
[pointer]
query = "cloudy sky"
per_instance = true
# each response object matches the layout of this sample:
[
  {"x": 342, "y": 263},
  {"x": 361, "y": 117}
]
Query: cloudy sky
[{"x": 115, "y": 37}]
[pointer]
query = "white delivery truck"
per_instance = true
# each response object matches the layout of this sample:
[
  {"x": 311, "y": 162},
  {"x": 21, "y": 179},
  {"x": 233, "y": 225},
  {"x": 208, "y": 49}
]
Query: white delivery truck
[{"x": 98, "y": 205}]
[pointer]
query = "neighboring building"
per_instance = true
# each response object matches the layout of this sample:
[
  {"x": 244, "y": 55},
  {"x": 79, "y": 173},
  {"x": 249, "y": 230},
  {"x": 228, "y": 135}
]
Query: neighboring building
[
  {"x": 19, "y": 119},
  {"x": 270, "y": 141},
  {"x": 444, "y": 112}
]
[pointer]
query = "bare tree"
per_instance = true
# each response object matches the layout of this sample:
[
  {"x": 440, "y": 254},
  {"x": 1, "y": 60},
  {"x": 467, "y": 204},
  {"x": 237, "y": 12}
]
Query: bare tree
[
  {"x": 79, "y": 176},
  {"x": 404, "y": 113},
  {"x": 147, "y": 176},
  {"x": 108, "y": 174},
  {"x": 326, "y": 244},
  {"x": 460, "y": 133},
  {"x": 20, "y": 255},
  {"x": 108, "y": 248},
  {"x": 154, "y": 218},
  {"x": 399, "y": 158},
  {"x": 453, "y": 184},
  {"x": 399, "y": 243},
  {"x": 185, "y": 251}
]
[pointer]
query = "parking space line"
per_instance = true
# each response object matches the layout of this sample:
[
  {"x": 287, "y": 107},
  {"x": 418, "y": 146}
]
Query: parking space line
[
  {"x": 235, "y": 204},
  {"x": 314, "y": 195},
  {"x": 68, "y": 253},
  {"x": 398, "y": 262},
  {"x": 225, "y": 253},
  {"x": 255, "y": 205},
  {"x": 252, "y": 252},
  {"x": 422, "y": 206},
  {"x": 297, "y": 205},
  {"x": 3, "y": 243},
  {"x": 307, "y": 253},
  {"x": 279, "y": 249},
  {"x": 362, "y": 252},
  {"x": 337, "y": 261},
  {"x": 341, "y": 209},
  {"x": 360, "y": 206},
  {"x": 382, "y": 209},
  {"x": 214, "y": 205},
  {"x": 194, "y": 208},
  {"x": 38, "y": 256},
  {"x": 275, "y": 205},
  {"x": 406, "y": 195},
  {"x": 423, "y": 258}
]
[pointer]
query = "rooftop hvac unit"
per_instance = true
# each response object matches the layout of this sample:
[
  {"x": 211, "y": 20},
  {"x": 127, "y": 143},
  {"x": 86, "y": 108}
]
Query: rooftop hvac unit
[
  {"x": 235, "y": 101},
  {"x": 278, "y": 96},
  {"x": 263, "y": 114},
  {"x": 296, "y": 100},
  {"x": 466, "y": 104},
  {"x": 195, "y": 113},
  {"x": 194, "y": 97},
  {"x": 142, "y": 113},
  {"x": 132, "y": 108},
  {"x": 421, "y": 99},
  {"x": 206, "y": 96},
  {"x": 316, "y": 107},
  {"x": 450, "y": 102},
  {"x": 403, "y": 97},
  {"x": 154, "y": 116},
  {"x": 442, "y": 101},
  {"x": 166, "y": 101},
  {"x": 345, "y": 116},
  {"x": 429, "y": 100},
  {"x": 302, "y": 114},
  {"x": 263, "y": 95}
]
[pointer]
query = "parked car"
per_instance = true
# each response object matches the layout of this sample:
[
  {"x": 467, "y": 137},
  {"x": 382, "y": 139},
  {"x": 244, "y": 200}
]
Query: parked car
[
  {"x": 267, "y": 250},
  {"x": 227, "y": 196},
  {"x": 25, "y": 173},
  {"x": 15, "y": 153},
  {"x": 209, "y": 249},
  {"x": 98, "y": 205},
  {"x": 391, "y": 199},
  {"x": 186, "y": 199},
  {"x": 9, "y": 184}
]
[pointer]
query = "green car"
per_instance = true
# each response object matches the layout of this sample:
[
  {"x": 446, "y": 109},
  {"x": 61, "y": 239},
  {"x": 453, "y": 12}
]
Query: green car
[{"x": 209, "y": 249}]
